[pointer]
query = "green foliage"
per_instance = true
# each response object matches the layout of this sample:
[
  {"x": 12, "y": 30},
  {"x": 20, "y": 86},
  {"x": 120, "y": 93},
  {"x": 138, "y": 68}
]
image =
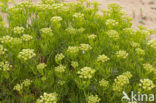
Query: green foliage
[{"x": 56, "y": 52}]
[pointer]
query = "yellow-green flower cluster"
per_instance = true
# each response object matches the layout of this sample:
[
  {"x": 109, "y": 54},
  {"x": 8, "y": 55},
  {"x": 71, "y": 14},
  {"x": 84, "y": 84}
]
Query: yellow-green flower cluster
[
  {"x": 104, "y": 83},
  {"x": 74, "y": 64},
  {"x": 56, "y": 19},
  {"x": 25, "y": 83},
  {"x": 92, "y": 37},
  {"x": 41, "y": 66},
  {"x": 121, "y": 81},
  {"x": 78, "y": 15},
  {"x": 111, "y": 22},
  {"x": 93, "y": 99},
  {"x": 148, "y": 67},
  {"x": 59, "y": 58},
  {"x": 18, "y": 87},
  {"x": 146, "y": 84},
  {"x": 26, "y": 4},
  {"x": 2, "y": 50},
  {"x": 26, "y": 37},
  {"x": 140, "y": 51},
  {"x": 26, "y": 54},
  {"x": 57, "y": 6},
  {"x": 134, "y": 44},
  {"x": 71, "y": 30},
  {"x": 128, "y": 74},
  {"x": 10, "y": 40},
  {"x": 129, "y": 31},
  {"x": 72, "y": 50},
  {"x": 5, "y": 66},
  {"x": 113, "y": 34},
  {"x": 86, "y": 73},
  {"x": 85, "y": 47},
  {"x": 60, "y": 69},
  {"x": 48, "y": 1},
  {"x": 121, "y": 54},
  {"x": 102, "y": 58},
  {"x": 46, "y": 30},
  {"x": 48, "y": 98},
  {"x": 18, "y": 30},
  {"x": 6, "y": 39},
  {"x": 41, "y": 6},
  {"x": 152, "y": 43}
]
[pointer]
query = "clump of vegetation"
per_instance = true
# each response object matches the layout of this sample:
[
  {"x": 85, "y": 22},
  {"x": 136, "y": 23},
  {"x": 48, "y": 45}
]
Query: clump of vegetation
[{"x": 57, "y": 52}]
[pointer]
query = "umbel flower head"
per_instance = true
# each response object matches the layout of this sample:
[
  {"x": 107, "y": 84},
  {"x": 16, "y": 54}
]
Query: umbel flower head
[
  {"x": 92, "y": 37},
  {"x": 48, "y": 98},
  {"x": 60, "y": 69},
  {"x": 148, "y": 67},
  {"x": 41, "y": 66},
  {"x": 128, "y": 74},
  {"x": 5, "y": 66},
  {"x": 113, "y": 34},
  {"x": 26, "y": 3},
  {"x": 59, "y": 58},
  {"x": 93, "y": 99},
  {"x": 121, "y": 54},
  {"x": 6, "y": 39},
  {"x": 71, "y": 30},
  {"x": 140, "y": 51},
  {"x": 48, "y": 1},
  {"x": 58, "y": 6},
  {"x": 72, "y": 50},
  {"x": 43, "y": 7},
  {"x": 146, "y": 84},
  {"x": 26, "y": 83},
  {"x": 26, "y": 37},
  {"x": 74, "y": 64},
  {"x": 78, "y": 15},
  {"x": 18, "y": 30},
  {"x": 26, "y": 54},
  {"x": 56, "y": 19},
  {"x": 2, "y": 50},
  {"x": 86, "y": 73},
  {"x": 103, "y": 83},
  {"x": 111, "y": 23},
  {"x": 102, "y": 58},
  {"x": 134, "y": 44},
  {"x": 121, "y": 81},
  {"x": 129, "y": 31},
  {"x": 18, "y": 87},
  {"x": 85, "y": 47},
  {"x": 46, "y": 32},
  {"x": 152, "y": 43}
]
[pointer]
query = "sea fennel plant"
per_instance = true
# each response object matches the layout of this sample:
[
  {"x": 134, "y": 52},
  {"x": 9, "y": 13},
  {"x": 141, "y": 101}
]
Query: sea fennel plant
[{"x": 58, "y": 52}]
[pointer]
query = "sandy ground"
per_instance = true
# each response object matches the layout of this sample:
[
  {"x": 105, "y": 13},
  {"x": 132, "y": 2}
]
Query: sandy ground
[{"x": 143, "y": 12}]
